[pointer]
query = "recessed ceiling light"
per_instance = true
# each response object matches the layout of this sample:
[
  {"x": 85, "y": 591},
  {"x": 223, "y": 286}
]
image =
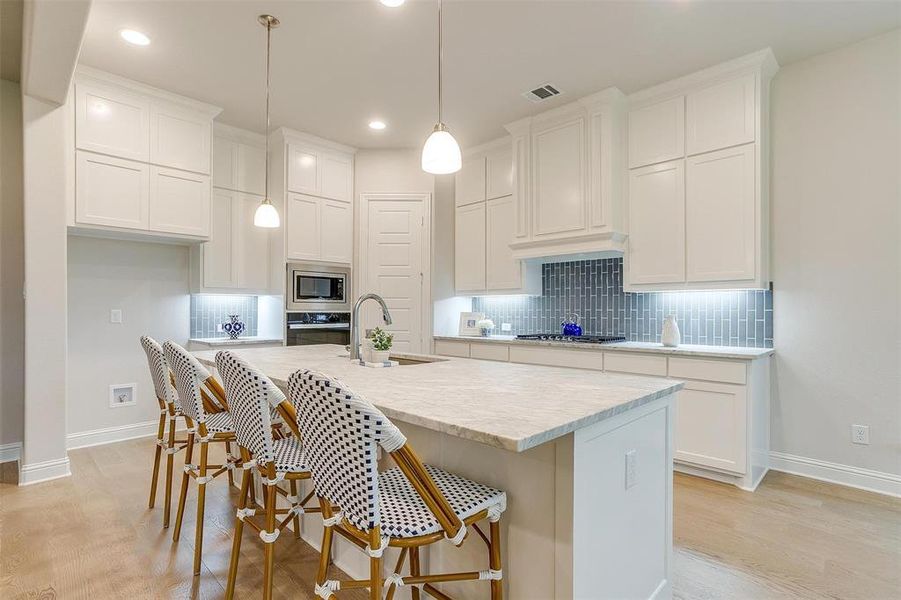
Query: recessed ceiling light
[
  {"x": 377, "y": 125},
  {"x": 134, "y": 37},
  {"x": 392, "y": 3}
]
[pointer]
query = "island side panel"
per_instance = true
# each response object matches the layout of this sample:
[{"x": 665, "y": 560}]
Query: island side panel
[{"x": 622, "y": 523}]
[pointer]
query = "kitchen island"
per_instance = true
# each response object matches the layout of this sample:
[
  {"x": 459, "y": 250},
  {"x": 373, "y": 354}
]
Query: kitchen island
[{"x": 585, "y": 459}]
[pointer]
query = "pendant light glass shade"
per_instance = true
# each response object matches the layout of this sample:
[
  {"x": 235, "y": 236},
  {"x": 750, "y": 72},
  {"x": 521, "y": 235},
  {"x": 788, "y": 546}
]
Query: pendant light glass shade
[
  {"x": 266, "y": 216},
  {"x": 441, "y": 152}
]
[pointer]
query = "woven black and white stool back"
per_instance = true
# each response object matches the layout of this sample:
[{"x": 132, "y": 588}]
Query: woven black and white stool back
[
  {"x": 159, "y": 370},
  {"x": 189, "y": 378},
  {"x": 341, "y": 433},
  {"x": 251, "y": 396}
]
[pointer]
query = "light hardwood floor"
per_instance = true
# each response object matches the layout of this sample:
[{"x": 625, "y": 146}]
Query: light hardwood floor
[{"x": 91, "y": 536}]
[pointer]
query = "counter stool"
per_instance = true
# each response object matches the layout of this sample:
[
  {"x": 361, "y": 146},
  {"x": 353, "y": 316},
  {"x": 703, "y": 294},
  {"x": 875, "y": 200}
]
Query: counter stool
[
  {"x": 197, "y": 390},
  {"x": 408, "y": 506},
  {"x": 251, "y": 398},
  {"x": 165, "y": 443}
]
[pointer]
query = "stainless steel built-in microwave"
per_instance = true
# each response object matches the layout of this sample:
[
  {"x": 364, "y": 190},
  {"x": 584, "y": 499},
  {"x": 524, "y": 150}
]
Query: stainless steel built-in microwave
[{"x": 317, "y": 288}]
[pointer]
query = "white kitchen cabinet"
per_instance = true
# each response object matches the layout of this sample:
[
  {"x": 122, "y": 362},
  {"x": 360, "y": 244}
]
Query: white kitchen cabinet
[
  {"x": 180, "y": 138},
  {"x": 304, "y": 226},
  {"x": 225, "y": 163},
  {"x": 219, "y": 266},
  {"x": 720, "y": 215},
  {"x": 111, "y": 191},
  {"x": 336, "y": 231},
  {"x": 320, "y": 173},
  {"x": 657, "y": 224},
  {"x": 470, "y": 179},
  {"x": 499, "y": 172},
  {"x": 502, "y": 271},
  {"x": 251, "y": 169},
  {"x": 111, "y": 120},
  {"x": 469, "y": 241},
  {"x": 337, "y": 177},
  {"x": 657, "y": 132},
  {"x": 559, "y": 161},
  {"x": 303, "y": 170},
  {"x": 239, "y": 160},
  {"x": 179, "y": 202},
  {"x": 251, "y": 249},
  {"x": 721, "y": 115},
  {"x": 711, "y": 426}
]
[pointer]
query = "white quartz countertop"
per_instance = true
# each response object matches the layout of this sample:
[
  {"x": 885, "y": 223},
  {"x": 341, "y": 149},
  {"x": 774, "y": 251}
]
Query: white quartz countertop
[
  {"x": 225, "y": 341},
  {"x": 507, "y": 405},
  {"x": 646, "y": 347}
]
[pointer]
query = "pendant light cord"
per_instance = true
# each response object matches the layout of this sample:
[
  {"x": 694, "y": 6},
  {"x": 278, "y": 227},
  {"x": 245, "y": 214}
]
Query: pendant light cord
[
  {"x": 440, "y": 57},
  {"x": 268, "y": 50}
]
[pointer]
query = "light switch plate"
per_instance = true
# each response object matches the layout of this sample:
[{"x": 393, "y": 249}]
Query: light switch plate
[
  {"x": 631, "y": 468},
  {"x": 506, "y": 327},
  {"x": 115, "y": 315}
]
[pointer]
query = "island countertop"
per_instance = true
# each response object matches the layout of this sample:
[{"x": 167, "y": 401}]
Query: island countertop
[{"x": 506, "y": 405}]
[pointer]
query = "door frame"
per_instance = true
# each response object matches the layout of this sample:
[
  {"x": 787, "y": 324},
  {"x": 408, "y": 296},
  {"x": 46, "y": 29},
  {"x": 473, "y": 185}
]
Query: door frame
[{"x": 425, "y": 199}]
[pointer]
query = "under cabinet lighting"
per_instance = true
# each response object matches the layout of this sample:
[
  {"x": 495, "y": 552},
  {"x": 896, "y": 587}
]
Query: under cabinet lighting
[
  {"x": 134, "y": 37},
  {"x": 377, "y": 125}
]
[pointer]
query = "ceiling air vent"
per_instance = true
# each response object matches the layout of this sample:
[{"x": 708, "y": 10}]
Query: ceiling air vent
[{"x": 542, "y": 93}]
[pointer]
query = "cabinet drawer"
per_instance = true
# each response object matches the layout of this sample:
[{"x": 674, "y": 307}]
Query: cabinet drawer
[
  {"x": 450, "y": 348},
  {"x": 490, "y": 352},
  {"x": 557, "y": 357},
  {"x": 638, "y": 364},
  {"x": 709, "y": 370}
]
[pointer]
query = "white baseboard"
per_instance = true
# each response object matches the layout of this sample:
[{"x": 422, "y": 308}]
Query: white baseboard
[
  {"x": 43, "y": 471},
  {"x": 10, "y": 452},
  {"x": 864, "y": 479},
  {"x": 108, "y": 435}
]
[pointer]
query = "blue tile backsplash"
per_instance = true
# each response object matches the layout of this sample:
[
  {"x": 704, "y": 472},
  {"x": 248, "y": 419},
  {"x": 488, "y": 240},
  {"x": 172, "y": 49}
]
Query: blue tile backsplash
[
  {"x": 594, "y": 290},
  {"x": 210, "y": 310}
]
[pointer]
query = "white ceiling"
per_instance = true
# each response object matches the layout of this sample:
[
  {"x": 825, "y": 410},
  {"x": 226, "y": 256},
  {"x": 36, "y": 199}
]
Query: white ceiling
[{"x": 338, "y": 64}]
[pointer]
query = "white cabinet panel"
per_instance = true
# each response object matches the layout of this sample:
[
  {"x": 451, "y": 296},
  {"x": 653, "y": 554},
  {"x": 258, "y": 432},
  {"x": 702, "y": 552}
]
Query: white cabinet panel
[
  {"x": 657, "y": 132},
  {"x": 503, "y": 272},
  {"x": 251, "y": 169},
  {"x": 303, "y": 170},
  {"x": 558, "y": 167},
  {"x": 219, "y": 268},
  {"x": 179, "y": 202},
  {"x": 499, "y": 172},
  {"x": 638, "y": 364},
  {"x": 303, "y": 227},
  {"x": 656, "y": 251},
  {"x": 499, "y": 352},
  {"x": 557, "y": 357},
  {"x": 337, "y": 231},
  {"x": 470, "y": 181},
  {"x": 721, "y": 115},
  {"x": 469, "y": 242},
  {"x": 336, "y": 177},
  {"x": 252, "y": 246},
  {"x": 111, "y": 191},
  {"x": 180, "y": 139},
  {"x": 111, "y": 121},
  {"x": 720, "y": 215},
  {"x": 451, "y": 348},
  {"x": 711, "y": 426},
  {"x": 225, "y": 163}
]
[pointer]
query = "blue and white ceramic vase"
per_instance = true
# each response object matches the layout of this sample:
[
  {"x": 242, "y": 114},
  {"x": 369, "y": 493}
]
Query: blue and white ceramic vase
[{"x": 234, "y": 327}]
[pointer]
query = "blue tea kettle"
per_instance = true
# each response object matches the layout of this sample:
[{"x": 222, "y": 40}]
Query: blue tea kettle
[{"x": 572, "y": 327}]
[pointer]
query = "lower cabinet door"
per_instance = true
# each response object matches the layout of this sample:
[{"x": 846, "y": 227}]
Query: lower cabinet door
[
  {"x": 218, "y": 260},
  {"x": 179, "y": 202},
  {"x": 337, "y": 231},
  {"x": 711, "y": 426},
  {"x": 111, "y": 191},
  {"x": 303, "y": 227},
  {"x": 252, "y": 248}
]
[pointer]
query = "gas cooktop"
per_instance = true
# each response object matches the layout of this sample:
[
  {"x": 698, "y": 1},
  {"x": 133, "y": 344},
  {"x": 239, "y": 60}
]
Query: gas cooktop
[{"x": 582, "y": 339}]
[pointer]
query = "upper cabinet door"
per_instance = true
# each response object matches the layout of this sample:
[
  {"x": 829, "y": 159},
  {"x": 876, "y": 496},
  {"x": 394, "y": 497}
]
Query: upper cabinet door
[
  {"x": 337, "y": 177},
  {"x": 225, "y": 163},
  {"x": 180, "y": 138},
  {"x": 469, "y": 242},
  {"x": 657, "y": 132},
  {"x": 219, "y": 269},
  {"x": 111, "y": 121},
  {"x": 559, "y": 173},
  {"x": 721, "y": 115},
  {"x": 499, "y": 173},
  {"x": 303, "y": 227},
  {"x": 337, "y": 231},
  {"x": 252, "y": 248},
  {"x": 721, "y": 215},
  {"x": 179, "y": 202},
  {"x": 111, "y": 191},
  {"x": 251, "y": 170},
  {"x": 303, "y": 171},
  {"x": 502, "y": 271},
  {"x": 470, "y": 182},
  {"x": 656, "y": 251}
]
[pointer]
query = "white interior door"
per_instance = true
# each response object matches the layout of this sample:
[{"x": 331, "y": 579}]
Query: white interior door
[{"x": 394, "y": 260}]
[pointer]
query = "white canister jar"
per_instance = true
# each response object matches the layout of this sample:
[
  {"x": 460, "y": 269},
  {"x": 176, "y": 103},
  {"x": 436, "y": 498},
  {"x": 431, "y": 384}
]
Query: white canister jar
[{"x": 670, "y": 335}]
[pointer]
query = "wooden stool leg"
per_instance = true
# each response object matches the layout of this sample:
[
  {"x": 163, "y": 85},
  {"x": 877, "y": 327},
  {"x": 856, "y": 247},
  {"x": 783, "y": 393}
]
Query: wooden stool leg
[
  {"x": 156, "y": 460},
  {"x": 414, "y": 570},
  {"x": 201, "y": 500},
  {"x": 236, "y": 543},
  {"x": 228, "y": 452},
  {"x": 326, "y": 551},
  {"x": 189, "y": 453},
  {"x": 269, "y": 548},
  {"x": 375, "y": 566},
  {"x": 170, "y": 458},
  {"x": 293, "y": 485},
  {"x": 494, "y": 560}
]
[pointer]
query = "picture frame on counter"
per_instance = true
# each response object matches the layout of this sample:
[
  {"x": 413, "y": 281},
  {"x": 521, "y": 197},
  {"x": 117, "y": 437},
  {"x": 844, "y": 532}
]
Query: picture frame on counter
[{"x": 469, "y": 323}]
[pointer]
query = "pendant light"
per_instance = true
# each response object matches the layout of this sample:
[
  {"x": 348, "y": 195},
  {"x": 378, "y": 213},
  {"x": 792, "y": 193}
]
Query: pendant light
[
  {"x": 441, "y": 153},
  {"x": 266, "y": 214}
]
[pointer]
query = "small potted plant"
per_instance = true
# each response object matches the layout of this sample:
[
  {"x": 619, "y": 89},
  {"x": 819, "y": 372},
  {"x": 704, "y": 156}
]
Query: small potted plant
[
  {"x": 381, "y": 345},
  {"x": 485, "y": 326}
]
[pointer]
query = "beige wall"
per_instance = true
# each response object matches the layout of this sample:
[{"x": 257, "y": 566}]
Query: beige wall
[
  {"x": 837, "y": 255},
  {"x": 12, "y": 266}
]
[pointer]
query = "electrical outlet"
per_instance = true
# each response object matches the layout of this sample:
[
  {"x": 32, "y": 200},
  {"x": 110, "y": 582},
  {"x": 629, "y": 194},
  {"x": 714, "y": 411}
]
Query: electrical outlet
[
  {"x": 115, "y": 315},
  {"x": 860, "y": 434},
  {"x": 631, "y": 468},
  {"x": 219, "y": 328},
  {"x": 506, "y": 327}
]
